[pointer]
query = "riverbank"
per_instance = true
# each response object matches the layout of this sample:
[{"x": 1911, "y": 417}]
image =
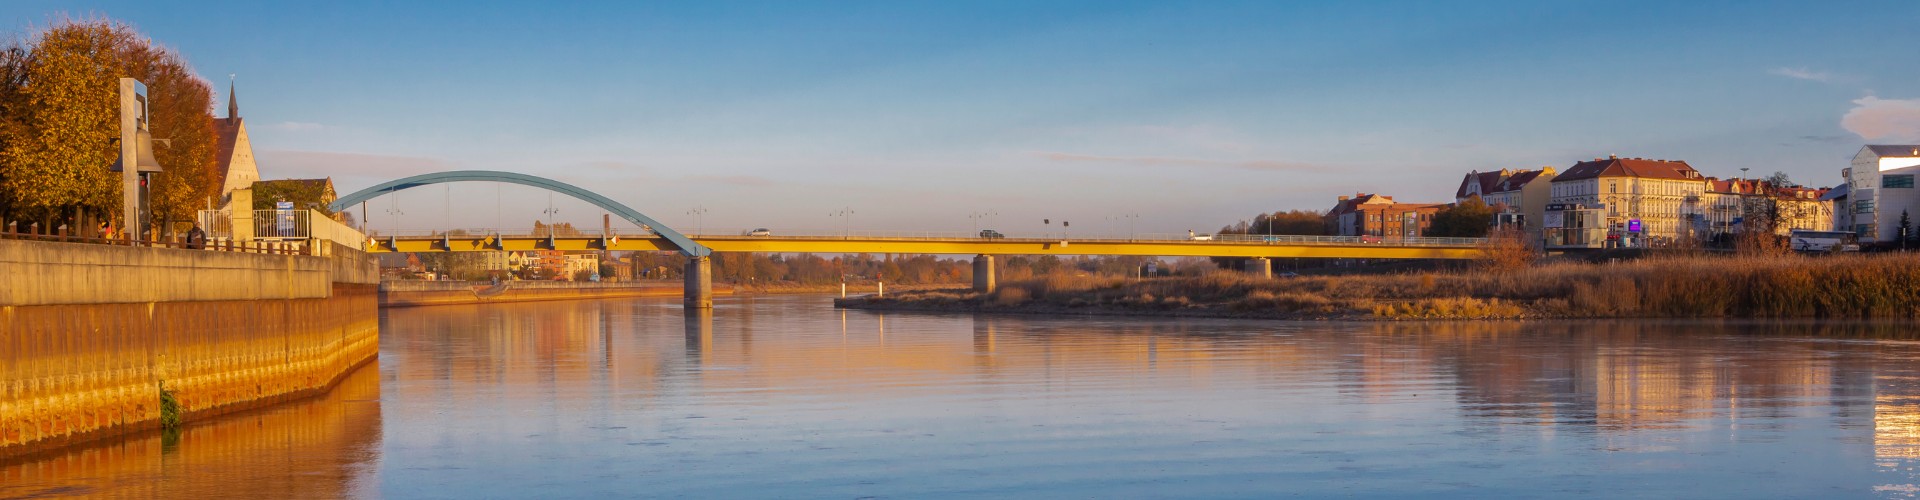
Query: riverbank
[
  {"x": 412, "y": 293},
  {"x": 1791, "y": 286}
]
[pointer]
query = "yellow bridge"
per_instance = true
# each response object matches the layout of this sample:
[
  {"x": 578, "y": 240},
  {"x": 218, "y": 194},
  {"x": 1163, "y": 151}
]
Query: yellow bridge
[
  {"x": 1255, "y": 246},
  {"x": 1258, "y": 249}
]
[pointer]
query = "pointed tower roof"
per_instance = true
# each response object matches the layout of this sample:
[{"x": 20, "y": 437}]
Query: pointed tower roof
[{"x": 233, "y": 101}]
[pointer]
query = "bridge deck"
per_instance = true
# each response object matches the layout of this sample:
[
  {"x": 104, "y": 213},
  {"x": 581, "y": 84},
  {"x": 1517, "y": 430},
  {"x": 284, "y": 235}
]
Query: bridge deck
[{"x": 1256, "y": 246}]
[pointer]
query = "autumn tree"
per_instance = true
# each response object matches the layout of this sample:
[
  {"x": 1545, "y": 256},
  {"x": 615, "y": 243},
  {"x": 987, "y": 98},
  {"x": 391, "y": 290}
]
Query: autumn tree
[
  {"x": 1294, "y": 222},
  {"x": 56, "y": 168},
  {"x": 61, "y": 121},
  {"x": 181, "y": 111},
  {"x": 308, "y": 194},
  {"x": 13, "y": 112},
  {"x": 1468, "y": 219}
]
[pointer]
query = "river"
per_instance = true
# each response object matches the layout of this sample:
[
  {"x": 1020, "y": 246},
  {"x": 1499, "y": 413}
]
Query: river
[{"x": 784, "y": 396}]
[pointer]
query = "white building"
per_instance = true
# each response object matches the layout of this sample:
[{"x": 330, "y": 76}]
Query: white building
[{"x": 1880, "y": 186}]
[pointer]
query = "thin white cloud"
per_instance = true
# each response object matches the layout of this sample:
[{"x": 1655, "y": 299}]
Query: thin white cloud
[
  {"x": 1873, "y": 118},
  {"x": 298, "y": 126},
  {"x": 1161, "y": 161},
  {"x": 1802, "y": 74}
]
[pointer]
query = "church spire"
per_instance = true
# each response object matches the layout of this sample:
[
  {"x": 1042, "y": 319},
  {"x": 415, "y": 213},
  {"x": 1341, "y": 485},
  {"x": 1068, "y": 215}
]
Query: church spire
[{"x": 233, "y": 102}]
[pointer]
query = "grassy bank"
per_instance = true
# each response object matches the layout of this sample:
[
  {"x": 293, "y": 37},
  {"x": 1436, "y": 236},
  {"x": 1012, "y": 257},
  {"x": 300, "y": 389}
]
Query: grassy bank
[{"x": 1852, "y": 286}]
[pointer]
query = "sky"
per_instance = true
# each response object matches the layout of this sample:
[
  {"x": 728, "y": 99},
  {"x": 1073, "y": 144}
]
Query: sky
[{"x": 1148, "y": 117}]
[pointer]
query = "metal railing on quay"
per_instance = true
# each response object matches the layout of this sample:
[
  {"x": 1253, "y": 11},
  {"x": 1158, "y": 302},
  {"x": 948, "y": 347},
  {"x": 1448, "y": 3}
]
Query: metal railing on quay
[{"x": 15, "y": 231}]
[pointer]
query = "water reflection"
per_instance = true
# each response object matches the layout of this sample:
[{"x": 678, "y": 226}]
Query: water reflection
[
  {"x": 786, "y": 395},
  {"x": 324, "y": 447}
]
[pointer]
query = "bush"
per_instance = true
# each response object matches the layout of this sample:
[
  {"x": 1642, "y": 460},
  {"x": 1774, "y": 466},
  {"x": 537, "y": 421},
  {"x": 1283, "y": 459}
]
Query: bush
[{"x": 1011, "y": 296}]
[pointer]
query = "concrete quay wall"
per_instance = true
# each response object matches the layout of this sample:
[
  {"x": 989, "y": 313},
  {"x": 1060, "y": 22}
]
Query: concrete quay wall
[
  {"x": 47, "y": 273},
  {"x": 78, "y": 364},
  {"x": 409, "y": 293}
]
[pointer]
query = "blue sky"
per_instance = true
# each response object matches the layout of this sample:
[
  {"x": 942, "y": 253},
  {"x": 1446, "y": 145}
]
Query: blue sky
[{"x": 917, "y": 114}]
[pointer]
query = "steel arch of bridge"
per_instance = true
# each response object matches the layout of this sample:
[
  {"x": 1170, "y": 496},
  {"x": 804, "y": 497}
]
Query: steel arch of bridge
[{"x": 687, "y": 245}]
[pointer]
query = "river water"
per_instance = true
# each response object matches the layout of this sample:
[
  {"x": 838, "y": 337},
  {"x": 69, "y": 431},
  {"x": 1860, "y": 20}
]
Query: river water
[{"x": 785, "y": 396}]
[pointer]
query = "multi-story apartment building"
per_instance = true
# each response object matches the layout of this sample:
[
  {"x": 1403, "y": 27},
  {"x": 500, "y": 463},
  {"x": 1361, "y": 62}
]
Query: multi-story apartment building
[
  {"x": 1803, "y": 208},
  {"x": 1378, "y": 215},
  {"x": 1736, "y": 205},
  {"x": 1522, "y": 192},
  {"x": 582, "y": 262},
  {"x": 1880, "y": 185},
  {"x": 1726, "y": 205},
  {"x": 1662, "y": 198}
]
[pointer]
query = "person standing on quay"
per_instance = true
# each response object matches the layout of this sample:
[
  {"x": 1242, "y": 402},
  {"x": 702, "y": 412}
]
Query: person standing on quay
[{"x": 196, "y": 239}]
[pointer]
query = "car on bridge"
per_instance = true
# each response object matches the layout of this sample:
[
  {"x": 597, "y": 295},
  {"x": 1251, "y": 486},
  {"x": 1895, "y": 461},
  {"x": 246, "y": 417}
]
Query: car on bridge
[
  {"x": 991, "y": 234},
  {"x": 763, "y": 232}
]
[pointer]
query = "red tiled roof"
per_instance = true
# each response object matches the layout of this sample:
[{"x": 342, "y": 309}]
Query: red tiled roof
[
  {"x": 1486, "y": 180},
  {"x": 227, "y": 132},
  {"x": 1518, "y": 180},
  {"x": 1629, "y": 167}
]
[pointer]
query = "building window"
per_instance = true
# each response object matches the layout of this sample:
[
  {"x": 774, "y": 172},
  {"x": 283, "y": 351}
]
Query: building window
[{"x": 1897, "y": 181}]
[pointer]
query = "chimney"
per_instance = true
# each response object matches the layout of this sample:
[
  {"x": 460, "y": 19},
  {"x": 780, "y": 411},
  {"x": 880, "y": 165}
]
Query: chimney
[
  {"x": 1343, "y": 197},
  {"x": 1613, "y": 157}
]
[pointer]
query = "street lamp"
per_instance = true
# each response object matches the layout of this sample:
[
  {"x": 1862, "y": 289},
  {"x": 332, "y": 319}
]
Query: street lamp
[
  {"x": 552, "y": 213},
  {"x": 976, "y": 216},
  {"x": 846, "y": 217},
  {"x": 698, "y": 214}
]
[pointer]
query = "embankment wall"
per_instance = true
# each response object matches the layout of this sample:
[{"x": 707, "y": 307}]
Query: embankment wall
[
  {"x": 408, "y": 293},
  {"x": 86, "y": 351}
]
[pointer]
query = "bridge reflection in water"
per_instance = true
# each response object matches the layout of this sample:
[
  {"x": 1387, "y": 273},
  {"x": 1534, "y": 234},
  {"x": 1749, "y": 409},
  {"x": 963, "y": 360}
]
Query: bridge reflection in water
[{"x": 759, "y": 394}]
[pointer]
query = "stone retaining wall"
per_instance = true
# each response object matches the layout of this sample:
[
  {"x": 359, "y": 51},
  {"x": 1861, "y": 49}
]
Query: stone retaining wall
[{"x": 88, "y": 358}]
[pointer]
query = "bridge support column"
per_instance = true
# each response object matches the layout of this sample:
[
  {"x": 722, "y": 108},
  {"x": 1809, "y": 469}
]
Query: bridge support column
[
  {"x": 699, "y": 279},
  {"x": 1260, "y": 267},
  {"x": 983, "y": 281}
]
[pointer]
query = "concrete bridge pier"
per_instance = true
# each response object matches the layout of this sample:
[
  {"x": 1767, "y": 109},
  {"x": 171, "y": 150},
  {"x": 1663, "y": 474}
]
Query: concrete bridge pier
[
  {"x": 1260, "y": 267},
  {"x": 699, "y": 279},
  {"x": 983, "y": 281}
]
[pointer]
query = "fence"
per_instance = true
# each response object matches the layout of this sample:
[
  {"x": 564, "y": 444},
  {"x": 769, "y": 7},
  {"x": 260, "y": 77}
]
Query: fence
[
  {"x": 290, "y": 227},
  {"x": 33, "y": 231}
]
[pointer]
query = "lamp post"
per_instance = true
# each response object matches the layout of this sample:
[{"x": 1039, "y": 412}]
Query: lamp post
[
  {"x": 976, "y": 216},
  {"x": 846, "y": 217},
  {"x": 552, "y": 213},
  {"x": 698, "y": 213}
]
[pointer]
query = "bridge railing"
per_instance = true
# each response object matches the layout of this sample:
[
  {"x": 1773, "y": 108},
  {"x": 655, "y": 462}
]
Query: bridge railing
[
  {"x": 970, "y": 235},
  {"x": 1288, "y": 239}
]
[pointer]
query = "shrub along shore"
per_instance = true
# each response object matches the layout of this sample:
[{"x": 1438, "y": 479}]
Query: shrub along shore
[{"x": 1696, "y": 286}]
